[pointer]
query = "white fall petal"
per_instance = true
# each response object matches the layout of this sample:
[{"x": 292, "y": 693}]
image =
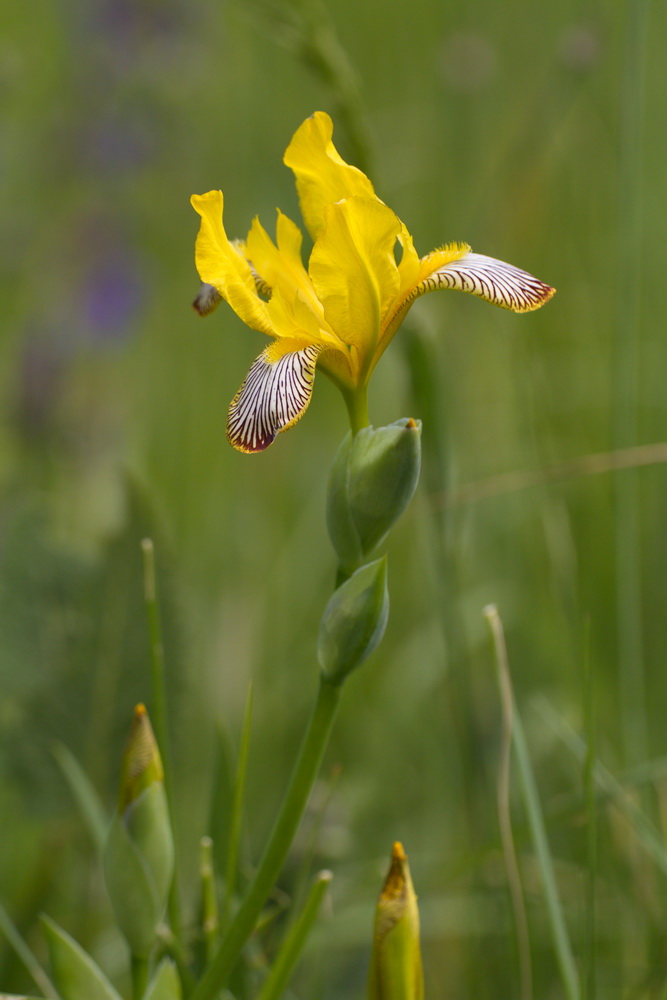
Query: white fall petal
[
  {"x": 274, "y": 395},
  {"x": 492, "y": 280}
]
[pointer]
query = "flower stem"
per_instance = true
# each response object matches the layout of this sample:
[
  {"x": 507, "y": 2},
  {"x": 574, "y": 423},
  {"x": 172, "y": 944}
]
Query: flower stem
[
  {"x": 302, "y": 780},
  {"x": 356, "y": 401}
]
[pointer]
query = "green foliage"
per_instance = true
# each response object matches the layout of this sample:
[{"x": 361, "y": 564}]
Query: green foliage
[
  {"x": 494, "y": 123},
  {"x": 165, "y": 984},
  {"x": 75, "y": 974}
]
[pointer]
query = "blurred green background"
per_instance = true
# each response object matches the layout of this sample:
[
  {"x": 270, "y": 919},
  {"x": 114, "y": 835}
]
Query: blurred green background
[{"x": 535, "y": 132}]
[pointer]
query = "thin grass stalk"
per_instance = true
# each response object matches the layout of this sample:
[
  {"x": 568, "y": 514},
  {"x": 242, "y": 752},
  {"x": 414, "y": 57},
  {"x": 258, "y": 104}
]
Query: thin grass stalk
[
  {"x": 235, "y": 820},
  {"x": 559, "y": 934},
  {"x": 277, "y": 848},
  {"x": 293, "y": 945},
  {"x": 507, "y": 839},
  {"x": 209, "y": 898},
  {"x": 159, "y": 713},
  {"x": 23, "y": 951},
  {"x": 525, "y": 479},
  {"x": 590, "y": 924},
  {"x": 648, "y": 835},
  {"x": 308, "y": 29},
  {"x": 442, "y": 552},
  {"x": 627, "y": 360}
]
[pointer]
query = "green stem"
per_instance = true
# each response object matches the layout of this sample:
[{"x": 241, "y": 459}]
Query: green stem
[
  {"x": 139, "y": 976},
  {"x": 159, "y": 707},
  {"x": 303, "y": 776},
  {"x": 356, "y": 401}
]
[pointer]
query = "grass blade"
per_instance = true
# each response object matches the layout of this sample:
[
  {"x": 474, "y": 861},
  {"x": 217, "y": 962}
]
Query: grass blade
[
  {"x": 588, "y": 978},
  {"x": 159, "y": 710},
  {"x": 236, "y": 818},
  {"x": 647, "y": 834},
  {"x": 531, "y": 801},
  {"x": 38, "y": 974},
  {"x": 293, "y": 945},
  {"x": 507, "y": 839},
  {"x": 85, "y": 796}
]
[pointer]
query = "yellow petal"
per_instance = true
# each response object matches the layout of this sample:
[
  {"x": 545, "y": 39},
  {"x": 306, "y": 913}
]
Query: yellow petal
[
  {"x": 322, "y": 176},
  {"x": 275, "y": 394},
  {"x": 489, "y": 279},
  {"x": 354, "y": 270},
  {"x": 282, "y": 269},
  {"x": 293, "y": 317},
  {"x": 221, "y": 264}
]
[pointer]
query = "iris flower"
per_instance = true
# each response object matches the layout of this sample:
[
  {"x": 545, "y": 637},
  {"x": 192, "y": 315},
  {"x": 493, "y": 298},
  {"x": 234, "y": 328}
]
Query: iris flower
[{"x": 341, "y": 313}]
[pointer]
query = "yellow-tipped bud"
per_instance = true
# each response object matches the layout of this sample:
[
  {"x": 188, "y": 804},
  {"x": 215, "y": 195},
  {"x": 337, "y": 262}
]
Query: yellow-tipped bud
[
  {"x": 139, "y": 857},
  {"x": 142, "y": 764},
  {"x": 396, "y": 964}
]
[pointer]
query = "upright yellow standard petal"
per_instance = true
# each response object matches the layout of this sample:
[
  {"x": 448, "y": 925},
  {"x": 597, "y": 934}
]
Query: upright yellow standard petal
[
  {"x": 354, "y": 271},
  {"x": 322, "y": 176},
  {"x": 221, "y": 264}
]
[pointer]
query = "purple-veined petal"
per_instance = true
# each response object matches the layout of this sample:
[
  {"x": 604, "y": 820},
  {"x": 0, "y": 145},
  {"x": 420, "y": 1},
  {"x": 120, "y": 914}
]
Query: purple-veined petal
[
  {"x": 274, "y": 395},
  {"x": 492, "y": 280}
]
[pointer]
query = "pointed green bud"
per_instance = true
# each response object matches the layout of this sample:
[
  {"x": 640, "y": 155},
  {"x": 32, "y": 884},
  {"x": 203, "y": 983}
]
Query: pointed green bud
[
  {"x": 139, "y": 856},
  {"x": 354, "y": 621},
  {"x": 396, "y": 964},
  {"x": 373, "y": 479}
]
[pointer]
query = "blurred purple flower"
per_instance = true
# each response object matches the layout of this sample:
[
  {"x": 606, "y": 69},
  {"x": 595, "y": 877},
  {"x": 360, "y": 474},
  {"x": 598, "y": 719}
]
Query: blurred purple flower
[{"x": 111, "y": 296}]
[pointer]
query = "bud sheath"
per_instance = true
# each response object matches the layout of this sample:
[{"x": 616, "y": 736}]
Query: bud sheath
[{"x": 396, "y": 965}]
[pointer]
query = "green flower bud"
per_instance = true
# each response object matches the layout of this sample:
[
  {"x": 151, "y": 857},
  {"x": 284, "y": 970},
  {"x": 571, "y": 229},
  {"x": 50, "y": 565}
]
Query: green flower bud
[
  {"x": 139, "y": 856},
  {"x": 354, "y": 621},
  {"x": 373, "y": 479},
  {"x": 396, "y": 963}
]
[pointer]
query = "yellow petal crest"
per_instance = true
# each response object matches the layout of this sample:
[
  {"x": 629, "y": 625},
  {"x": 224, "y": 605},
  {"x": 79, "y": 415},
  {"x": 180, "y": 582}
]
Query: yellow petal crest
[
  {"x": 354, "y": 271},
  {"x": 221, "y": 264},
  {"x": 322, "y": 176}
]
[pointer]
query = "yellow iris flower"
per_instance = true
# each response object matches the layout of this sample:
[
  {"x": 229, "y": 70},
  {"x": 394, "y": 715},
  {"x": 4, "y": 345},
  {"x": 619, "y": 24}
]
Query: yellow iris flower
[{"x": 363, "y": 275}]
